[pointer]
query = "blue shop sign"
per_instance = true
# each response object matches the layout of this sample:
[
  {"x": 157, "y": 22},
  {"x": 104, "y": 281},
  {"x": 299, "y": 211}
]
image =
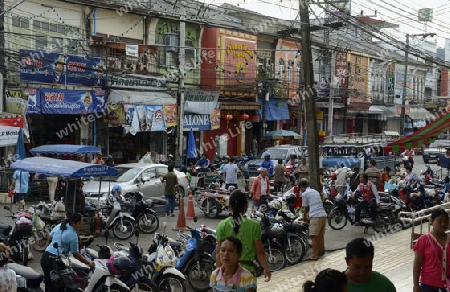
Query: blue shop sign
[
  {"x": 73, "y": 102},
  {"x": 196, "y": 122}
]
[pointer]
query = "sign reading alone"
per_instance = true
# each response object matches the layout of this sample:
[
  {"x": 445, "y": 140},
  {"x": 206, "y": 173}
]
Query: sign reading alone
[{"x": 196, "y": 122}]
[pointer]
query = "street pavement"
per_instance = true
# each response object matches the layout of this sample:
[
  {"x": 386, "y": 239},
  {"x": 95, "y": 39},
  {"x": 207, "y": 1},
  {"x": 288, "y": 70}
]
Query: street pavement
[{"x": 393, "y": 256}]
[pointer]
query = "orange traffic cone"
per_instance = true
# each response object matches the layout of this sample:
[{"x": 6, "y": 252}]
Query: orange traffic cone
[
  {"x": 181, "y": 223},
  {"x": 190, "y": 211}
]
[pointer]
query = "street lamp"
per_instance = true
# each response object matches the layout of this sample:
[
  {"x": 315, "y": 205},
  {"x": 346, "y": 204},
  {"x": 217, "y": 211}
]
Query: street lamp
[{"x": 405, "y": 79}]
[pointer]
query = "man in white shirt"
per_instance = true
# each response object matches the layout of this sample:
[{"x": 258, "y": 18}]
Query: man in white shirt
[
  {"x": 312, "y": 202},
  {"x": 341, "y": 180},
  {"x": 231, "y": 172}
]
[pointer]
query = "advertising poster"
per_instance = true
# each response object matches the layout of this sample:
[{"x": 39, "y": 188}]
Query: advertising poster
[
  {"x": 8, "y": 135},
  {"x": 22, "y": 102},
  {"x": 215, "y": 119},
  {"x": 146, "y": 118},
  {"x": 41, "y": 67},
  {"x": 170, "y": 114},
  {"x": 73, "y": 102},
  {"x": 115, "y": 114}
]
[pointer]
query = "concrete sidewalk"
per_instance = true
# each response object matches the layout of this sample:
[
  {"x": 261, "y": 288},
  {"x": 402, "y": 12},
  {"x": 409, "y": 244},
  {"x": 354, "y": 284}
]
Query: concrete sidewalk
[{"x": 393, "y": 258}]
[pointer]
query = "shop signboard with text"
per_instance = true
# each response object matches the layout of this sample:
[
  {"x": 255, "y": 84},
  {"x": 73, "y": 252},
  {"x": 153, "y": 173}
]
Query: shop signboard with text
[
  {"x": 22, "y": 101},
  {"x": 200, "y": 102},
  {"x": 72, "y": 102},
  {"x": 43, "y": 67},
  {"x": 196, "y": 122}
]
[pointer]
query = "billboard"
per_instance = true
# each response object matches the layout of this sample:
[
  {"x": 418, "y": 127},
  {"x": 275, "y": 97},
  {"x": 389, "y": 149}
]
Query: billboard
[
  {"x": 73, "y": 102},
  {"x": 40, "y": 67}
]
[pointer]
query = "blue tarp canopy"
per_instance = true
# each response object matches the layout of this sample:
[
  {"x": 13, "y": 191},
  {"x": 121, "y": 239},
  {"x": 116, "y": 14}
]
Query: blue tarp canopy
[
  {"x": 65, "y": 149},
  {"x": 65, "y": 168}
]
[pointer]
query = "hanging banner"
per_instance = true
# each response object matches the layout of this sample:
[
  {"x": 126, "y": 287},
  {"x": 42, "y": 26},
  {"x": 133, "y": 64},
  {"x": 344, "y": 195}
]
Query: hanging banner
[
  {"x": 215, "y": 119},
  {"x": 200, "y": 102},
  {"x": 196, "y": 122},
  {"x": 40, "y": 67},
  {"x": 146, "y": 118},
  {"x": 22, "y": 102},
  {"x": 73, "y": 102},
  {"x": 170, "y": 115},
  {"x": 115, "y": 114},
  {"x": 8, "y": 135}
]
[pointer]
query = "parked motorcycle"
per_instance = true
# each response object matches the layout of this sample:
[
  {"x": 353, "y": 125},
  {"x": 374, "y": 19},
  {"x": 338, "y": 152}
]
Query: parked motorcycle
[
  {"x": 146, "y": 218},
  {"x": 27, "y": 279},
  {"x": 212, "y": 203},
  {"x": 197, "y": 262},
  {"x": 121, "y": 222},
  {"x": 19, "y": 239}
]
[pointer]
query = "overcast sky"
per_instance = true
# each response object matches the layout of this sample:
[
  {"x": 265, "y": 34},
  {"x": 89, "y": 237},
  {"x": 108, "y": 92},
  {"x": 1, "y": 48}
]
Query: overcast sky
[{"x": 402, "y": 12}]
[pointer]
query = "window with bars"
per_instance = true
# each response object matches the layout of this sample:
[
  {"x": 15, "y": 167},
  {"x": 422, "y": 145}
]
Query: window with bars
[
  {"x": 280, "y": 71},
  {"x": 290, "y": 69},
  {"x": 358, "y": 65}
]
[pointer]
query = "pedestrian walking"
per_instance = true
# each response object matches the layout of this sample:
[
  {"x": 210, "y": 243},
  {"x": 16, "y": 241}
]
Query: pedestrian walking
[
  {"x": 231, "y": 276},
  {"x": 260, "y": 189},
  {"x": 19, "y": 184},
  {"x": 431, "y": 270},
  {"x": 361, "y": 278},
  {"x": 171, "y": 180},
  {"x": 231, "y": 171},
  {"x": 247, "y": 230},
  {"x": 328, "y": 280},
  {"x": 312, "y": 202},
  {"x": 341, "y": 180}
]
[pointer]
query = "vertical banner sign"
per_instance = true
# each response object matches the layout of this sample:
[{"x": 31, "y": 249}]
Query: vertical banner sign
[
  {"x": 170, "y": 115},
  {"x": 341, "y": 73},
  {"x": 59, "y": 101},
  {"x": 40, "y": 67},
  {"x": 215, "y": 119}
]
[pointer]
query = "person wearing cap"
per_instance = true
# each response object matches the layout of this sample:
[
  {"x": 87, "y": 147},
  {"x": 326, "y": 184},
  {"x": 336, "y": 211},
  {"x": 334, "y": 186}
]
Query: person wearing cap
[
  {"x": 312, "y": 202},
  {"x": 267, "y": 164},
  {"x": 169, "y": 160}
]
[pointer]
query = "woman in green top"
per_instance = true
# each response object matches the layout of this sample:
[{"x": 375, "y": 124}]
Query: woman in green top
[{"x": 247, "y": 230}]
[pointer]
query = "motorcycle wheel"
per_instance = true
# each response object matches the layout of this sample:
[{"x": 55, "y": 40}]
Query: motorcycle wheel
[
  {"x": 143, "y": 286},
  {"x": 170, "y": 283},
  {"x": 382, "y": 223},
  {"x": 337, "y": 219},
  {"x": 275, "y": 258},
  {"x": 124, "y": 230},
  {"x": 211, "y": 208},
  {"x": 198, "y": 275},
  {"x": 295, "y": 250},
  {"x": 147, "y": 223}
]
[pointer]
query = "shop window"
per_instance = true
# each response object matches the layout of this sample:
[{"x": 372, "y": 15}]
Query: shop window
[{"x": 44, "y": 26}]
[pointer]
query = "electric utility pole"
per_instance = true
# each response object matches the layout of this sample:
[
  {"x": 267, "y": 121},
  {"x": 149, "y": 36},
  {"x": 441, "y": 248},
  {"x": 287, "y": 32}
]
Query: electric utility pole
[
  {"x": 181, "y": 82},
  {"x": 310, "y": 99},
  {"x": 405, "y": 80}
]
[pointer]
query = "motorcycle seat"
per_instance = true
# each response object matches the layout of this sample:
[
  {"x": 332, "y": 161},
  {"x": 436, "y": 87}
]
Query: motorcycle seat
[
  {"x": 175, "y": 244},
  {"x": 78, "y": 266},
  {"x": 26, "y": 272},
  {"x": 208, "y": 230},
  {"x": 5, "y": 228}
]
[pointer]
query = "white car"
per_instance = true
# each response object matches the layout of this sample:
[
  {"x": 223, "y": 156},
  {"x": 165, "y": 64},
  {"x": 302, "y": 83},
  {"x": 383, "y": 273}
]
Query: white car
[{"x": 142, "y": 177}]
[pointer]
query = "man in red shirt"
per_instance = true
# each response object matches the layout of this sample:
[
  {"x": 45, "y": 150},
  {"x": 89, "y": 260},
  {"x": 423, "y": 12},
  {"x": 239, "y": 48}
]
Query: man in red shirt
[{"x": 371, "y": 199}]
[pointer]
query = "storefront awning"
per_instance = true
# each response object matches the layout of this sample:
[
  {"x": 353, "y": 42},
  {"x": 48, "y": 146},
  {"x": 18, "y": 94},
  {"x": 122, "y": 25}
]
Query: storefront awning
[
  {"x": 240, "y": 105},
  {"x": 420, "y": 114},
  {"x": 140, "y": 97}
]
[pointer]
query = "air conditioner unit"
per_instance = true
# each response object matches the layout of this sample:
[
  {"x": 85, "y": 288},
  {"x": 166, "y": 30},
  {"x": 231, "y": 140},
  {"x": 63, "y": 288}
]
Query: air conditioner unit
[{"x": 172, "y": 42}]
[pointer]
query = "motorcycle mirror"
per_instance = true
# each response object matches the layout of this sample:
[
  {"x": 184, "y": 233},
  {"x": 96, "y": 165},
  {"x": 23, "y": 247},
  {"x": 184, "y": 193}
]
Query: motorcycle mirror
[
  {"x": 6, "y": 208},
  {"x": 195, "y": 219}
]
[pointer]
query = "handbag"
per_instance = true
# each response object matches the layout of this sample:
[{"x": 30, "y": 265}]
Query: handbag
[
  {"x": 10, "y": 193},
  {"x": 447, "y": 280}
]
